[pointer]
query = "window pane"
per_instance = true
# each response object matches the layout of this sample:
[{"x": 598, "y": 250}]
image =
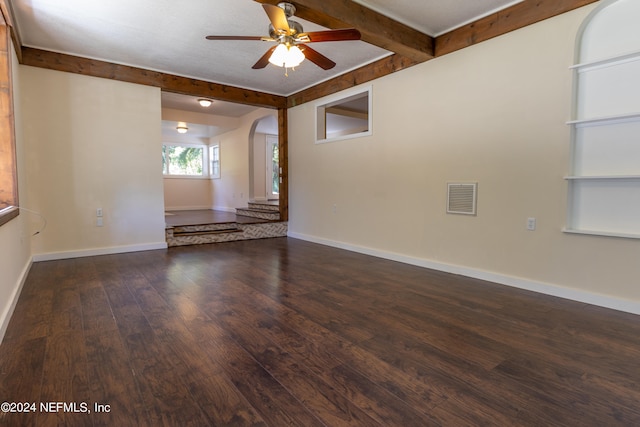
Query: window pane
[
  {"x": 183, "y": 160},
  {"x": 214, "y": 154},
  {"x": 275, "y": 168}
]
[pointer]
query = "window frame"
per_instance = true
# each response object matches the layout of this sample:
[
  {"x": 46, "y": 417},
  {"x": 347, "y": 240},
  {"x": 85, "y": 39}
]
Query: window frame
[
  {"x": 212, "y": 173},
  {"x": 8, "y": 170}
]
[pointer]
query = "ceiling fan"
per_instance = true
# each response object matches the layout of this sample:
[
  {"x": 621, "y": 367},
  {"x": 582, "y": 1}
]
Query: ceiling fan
[{"x": 291, "y": 41}]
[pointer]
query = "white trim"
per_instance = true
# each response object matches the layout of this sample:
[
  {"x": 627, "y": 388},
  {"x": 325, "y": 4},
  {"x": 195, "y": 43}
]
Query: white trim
[
  {"x": 8, "y": 312},
  {"x": 601, "y": 300},
  {"x": 601, "y": 177},
  {"x": 51, "y": 256},
  {"x": 606, "y": 62},
  {"x": 608, "y": 120},
  {"x": 601, "y": 233}
]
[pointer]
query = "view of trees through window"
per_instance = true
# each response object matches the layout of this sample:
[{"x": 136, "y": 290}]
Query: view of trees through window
[
  {"x": 275, "y": 175},
  {"x": 182, "y": 160}
]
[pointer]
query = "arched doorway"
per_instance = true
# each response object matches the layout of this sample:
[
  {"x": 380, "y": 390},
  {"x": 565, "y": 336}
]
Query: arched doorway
[{"x": 263, "y": 159}]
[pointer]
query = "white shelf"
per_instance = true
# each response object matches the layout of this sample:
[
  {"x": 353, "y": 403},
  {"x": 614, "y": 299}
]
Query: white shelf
[
  {"x": 606, "y": 62},
  {"x": 595, "y": 121},
  {"x": 601, "y": 233},
  {"x": 601, "y": 177}
]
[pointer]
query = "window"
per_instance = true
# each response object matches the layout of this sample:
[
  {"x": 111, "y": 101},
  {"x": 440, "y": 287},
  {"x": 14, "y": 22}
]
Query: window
[
  {"x": 604, "y": 182},
  {"x": 345, "y": 116},
  {"x": 214, "y": 157},
  {"x": 273, "y": 167},
  {"x": 8, "y": 174},
  {"x": 183, "y": 160}
]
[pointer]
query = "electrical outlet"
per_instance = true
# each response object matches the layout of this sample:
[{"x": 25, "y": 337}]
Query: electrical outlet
[
  {"x": 531, "y": 224},
  {"x": 99, "y": 212},
  {"x": 99, "y": 222}
]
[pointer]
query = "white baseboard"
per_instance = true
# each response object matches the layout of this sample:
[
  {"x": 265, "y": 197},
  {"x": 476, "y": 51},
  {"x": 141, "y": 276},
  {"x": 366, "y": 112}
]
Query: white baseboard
[
  {"x": 50, "y": 256},
  {"x": 629, "y": 306},
  {"x": 8, "y": 311}
]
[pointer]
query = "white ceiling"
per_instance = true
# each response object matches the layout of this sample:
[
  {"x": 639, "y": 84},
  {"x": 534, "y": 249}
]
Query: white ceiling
[
  {"x": 436, "y": 17},
  {"x": 169, "y": 36}
]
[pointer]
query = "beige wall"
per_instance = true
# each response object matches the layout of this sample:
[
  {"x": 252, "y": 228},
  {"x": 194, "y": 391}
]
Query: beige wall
[
  {"x": 260, "y": 166},
  {"x": 15, "y": 241},
  {"x": 232, "y": 190},
  {"x": 92, "y": 143},
  {"x": 495, "y": 114},
  {"x": 187, "y": 193}
]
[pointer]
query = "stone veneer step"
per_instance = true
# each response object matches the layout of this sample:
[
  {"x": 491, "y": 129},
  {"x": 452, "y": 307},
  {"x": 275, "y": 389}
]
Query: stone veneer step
[
  {"x": 233, "y": 231},
  {"x": 264, "y": 206},
  {"x": 254, "y": 212}
]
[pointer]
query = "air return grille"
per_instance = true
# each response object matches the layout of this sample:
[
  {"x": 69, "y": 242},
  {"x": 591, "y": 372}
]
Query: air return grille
[{"x": 461, "y": 198}]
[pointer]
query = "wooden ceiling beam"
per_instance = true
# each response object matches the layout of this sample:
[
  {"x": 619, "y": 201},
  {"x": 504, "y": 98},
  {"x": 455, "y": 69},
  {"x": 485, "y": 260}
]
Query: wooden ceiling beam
[
  {"x": 376, "y": 29},
  {"x": 510, "y": 19},
  {"x": 167, "y": 82},
  {"x": 365, "y": 74}
]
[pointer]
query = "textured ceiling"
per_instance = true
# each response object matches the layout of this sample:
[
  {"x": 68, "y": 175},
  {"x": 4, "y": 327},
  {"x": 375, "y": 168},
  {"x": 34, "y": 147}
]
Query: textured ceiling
[{"x": 169, "y": 36}]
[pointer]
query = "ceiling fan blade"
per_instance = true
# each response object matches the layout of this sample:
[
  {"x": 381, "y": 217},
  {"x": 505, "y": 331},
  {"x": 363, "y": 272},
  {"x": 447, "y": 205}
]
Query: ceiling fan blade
[
  {"x": 278, "y": 18},
  {"x": 330, "y": 35},
  {"x": 264, "y": 59},
  {"x": 239, "y": 38},
  {"x": 317, "y": 58}
]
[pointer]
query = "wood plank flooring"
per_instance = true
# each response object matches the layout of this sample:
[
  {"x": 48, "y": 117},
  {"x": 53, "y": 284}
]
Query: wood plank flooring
[
  {"x": 282, "y": 332},
  {"x": 207, "y": 216}
]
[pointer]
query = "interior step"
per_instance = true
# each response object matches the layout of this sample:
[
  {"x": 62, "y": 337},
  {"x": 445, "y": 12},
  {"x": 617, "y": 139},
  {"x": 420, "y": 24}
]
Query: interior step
[
  {"x": 203, "y": 232},
  {"x": 217, "y": 233},
  {"x": 204, "y": 228},
  {"x": 258, "y": 211},
  {"x": 267, "y": 206}
]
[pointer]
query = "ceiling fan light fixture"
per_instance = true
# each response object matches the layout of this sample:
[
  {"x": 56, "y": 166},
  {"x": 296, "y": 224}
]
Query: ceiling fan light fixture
[
  {"x": 287, "y": 56},
  {"x": 205, "y": 102}
]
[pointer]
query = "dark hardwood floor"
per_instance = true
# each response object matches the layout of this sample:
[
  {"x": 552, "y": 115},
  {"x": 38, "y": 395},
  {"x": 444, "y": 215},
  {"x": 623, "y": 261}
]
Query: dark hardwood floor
[
  {"x": 206, "y": 216},
  {"x": 282, "y": 332}
]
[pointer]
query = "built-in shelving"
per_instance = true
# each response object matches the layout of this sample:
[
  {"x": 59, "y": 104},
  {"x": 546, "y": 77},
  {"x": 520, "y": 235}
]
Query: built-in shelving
[
  {"x": 602, "y": 177},
  {"x": 607, "y": 62},
  {"x": 602, "y": 233},
  {"x": 604, "y": 183},
  {"x": 597, "y": 121}
]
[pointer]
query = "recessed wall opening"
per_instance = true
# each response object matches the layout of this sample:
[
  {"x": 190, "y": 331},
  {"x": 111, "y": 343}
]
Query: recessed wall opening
[{"x": 345, "y": 116}]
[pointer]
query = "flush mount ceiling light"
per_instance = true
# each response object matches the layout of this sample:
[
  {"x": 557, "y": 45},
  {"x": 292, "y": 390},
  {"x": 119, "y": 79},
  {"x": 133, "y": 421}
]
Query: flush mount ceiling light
[
  {"x": 205, "y": 102},
  {"x": 182, "y": 127}
]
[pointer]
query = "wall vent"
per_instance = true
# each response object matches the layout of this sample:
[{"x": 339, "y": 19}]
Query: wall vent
[{"x": 461, "y": 198}]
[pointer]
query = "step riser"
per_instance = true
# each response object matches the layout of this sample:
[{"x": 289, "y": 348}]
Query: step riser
[
  {"x": 264, "y": 207},
  {"x": 244, "y": 232},
  {"x": 258, "y": 214},
  {"x": 204, "y": 227}
]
